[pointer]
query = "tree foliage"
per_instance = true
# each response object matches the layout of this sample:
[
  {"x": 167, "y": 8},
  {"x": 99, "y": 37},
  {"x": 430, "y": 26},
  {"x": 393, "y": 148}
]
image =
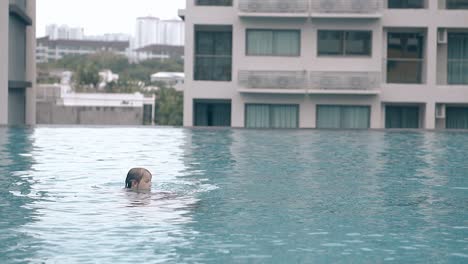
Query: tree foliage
[{"x": 169, "y": 107}]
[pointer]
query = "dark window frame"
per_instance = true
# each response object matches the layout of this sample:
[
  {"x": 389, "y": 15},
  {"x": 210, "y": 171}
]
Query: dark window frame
[
  {"x": 273, "y": 36},
  {"x": 270, "y": 109},
  {"x": 344, "y": 37},
  {"x": 212, "y": 55},
  {"x": 406, "y": 4},
  {"x": 342, "y": 107},
  {"x": 213, "y": 2}
]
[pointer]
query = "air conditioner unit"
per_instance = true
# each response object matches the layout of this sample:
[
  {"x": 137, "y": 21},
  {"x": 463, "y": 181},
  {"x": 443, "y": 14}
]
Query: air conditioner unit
[
  {"x": 442, "y": 36},
  {"x": 327, "y": 5},
  {"x": 440, "y": 111}
]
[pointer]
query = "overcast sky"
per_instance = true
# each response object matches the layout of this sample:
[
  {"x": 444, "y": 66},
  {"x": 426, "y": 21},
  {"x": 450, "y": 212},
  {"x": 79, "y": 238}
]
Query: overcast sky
[{"x": 102, "y": 16}]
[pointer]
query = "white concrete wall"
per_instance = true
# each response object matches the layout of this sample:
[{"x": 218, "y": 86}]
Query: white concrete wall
[
  {"x": 31, "y": 65},
  {"x": 4, "y": 16},
  {"x": 427, "y": 95}
]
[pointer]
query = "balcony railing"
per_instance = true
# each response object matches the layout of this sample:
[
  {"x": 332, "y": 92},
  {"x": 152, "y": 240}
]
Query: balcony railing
[
  {"x": 364, "y": 81},
  {"x": 340, "y": 82},
  {"x": 273, "y": 79},
  {"x": 311, "y": 7},
  {"x": 274, "y": 6},
  {"x": 404, "y": 71},
  {"x": 347, "y": 6}
]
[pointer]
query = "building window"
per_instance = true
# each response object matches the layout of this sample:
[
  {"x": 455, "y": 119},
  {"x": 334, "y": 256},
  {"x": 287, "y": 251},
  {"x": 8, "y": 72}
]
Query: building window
[
  {"x": 344, "y": 43},
  {"x": 405, "y": 57},
  {"x": 406, "y": 4},
  {"x": 457, "y": 118},
  {"x": 457, "y": 4},
  {"x": 457, "y": 66},
  {"x": 212, "y": 113},
  {"x": 213, "y": 54},
  {"x": 271, "y": 116},
  {"x": 343, "y": 117},
  {"x": 213, "y": 2},
  {"x": 262, "y": 42},
  {"x": 402, "y": 117}
]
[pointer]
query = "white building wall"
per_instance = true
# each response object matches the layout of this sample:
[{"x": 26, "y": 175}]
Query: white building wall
[
  {"x": 4, "y": 16},
  {"x": 31, "y": 65},
  {"x": 426, "y": 94}
]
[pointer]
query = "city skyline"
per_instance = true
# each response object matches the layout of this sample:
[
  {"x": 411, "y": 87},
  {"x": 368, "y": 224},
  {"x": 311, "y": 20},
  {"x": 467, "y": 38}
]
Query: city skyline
[{"x": 122, "y": 19}]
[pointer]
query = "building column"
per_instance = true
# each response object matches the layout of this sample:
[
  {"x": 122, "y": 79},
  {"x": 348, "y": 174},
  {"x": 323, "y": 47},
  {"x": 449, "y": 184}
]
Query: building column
[
  {"x": 31, "y": 65},
  {"x": 4, "y": 21}
]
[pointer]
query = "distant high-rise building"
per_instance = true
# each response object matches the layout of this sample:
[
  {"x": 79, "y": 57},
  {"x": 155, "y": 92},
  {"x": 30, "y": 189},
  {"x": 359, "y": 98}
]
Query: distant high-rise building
[
  {"x": 146, "y": 31},
  {"x": 64, "y": 32},
  {"x": 152, "y": 30}
]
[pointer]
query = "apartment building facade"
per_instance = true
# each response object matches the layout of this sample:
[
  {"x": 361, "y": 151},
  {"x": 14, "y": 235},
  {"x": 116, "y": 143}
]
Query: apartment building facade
[
  {"x": 17, "y": 62},
  {"x": 54, "y": 49},
  {"x": 346, "y": 64}
]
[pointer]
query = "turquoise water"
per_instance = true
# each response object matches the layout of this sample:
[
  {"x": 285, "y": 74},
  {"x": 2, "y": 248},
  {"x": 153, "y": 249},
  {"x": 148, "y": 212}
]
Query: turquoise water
[{"x": 233, "y": 196}]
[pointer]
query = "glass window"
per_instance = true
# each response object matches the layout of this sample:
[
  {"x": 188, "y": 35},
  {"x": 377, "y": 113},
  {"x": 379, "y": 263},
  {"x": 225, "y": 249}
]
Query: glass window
[
  {"x": 213, "y": 2},
  {"x": 406, "y": 3},
  {"x": 402, "y": 117},
  {"x": 457, "y": 58},
  {"x": 343, "y": 117},
  {"x": 344, "y": 43},
  {"x": 457, "y": 118},
  {"x": 358, "y": 43},
  {"x": 457, "y": 4},
  {"x": 212, "y": 114},
  {"x": 271, "y": 116},
  {"x": 17, "y": 50},
  {"x": 405, "y": 57},
  {"x": 213, "y": 55},
  {"x": 330, "y": 42},
  {"x": 262, "y": 42}
]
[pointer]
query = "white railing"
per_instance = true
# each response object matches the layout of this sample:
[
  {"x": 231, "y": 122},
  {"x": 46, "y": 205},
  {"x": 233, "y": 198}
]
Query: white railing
[
  {"x": 311, "y": 6},
  {"x": 345, "y": 80},
  {"x": 347, "y": 6},
  {"x": 363, "y": 81},
  {"x": 273, "y": 79},
  {"x": 274, "y": 6}
]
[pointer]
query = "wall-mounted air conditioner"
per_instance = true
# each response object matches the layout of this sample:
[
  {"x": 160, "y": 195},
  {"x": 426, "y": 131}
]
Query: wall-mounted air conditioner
[
  {"x": 442, "y": 36},
  {"x": 440, "y": 111}
]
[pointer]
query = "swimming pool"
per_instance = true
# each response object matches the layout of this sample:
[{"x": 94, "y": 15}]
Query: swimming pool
[{"x": 242, "y": 196}]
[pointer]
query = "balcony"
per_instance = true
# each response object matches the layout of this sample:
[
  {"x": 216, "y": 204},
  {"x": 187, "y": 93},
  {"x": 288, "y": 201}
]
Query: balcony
[
  {"x": 357, "y": 83},
  {"x": 369, "y": 9},
  {"x": 302, "y": 82},
  {"x": 285, "y": 82},
  {"x": 404, "y": 71},
  {"x": 274, "y": 8}
]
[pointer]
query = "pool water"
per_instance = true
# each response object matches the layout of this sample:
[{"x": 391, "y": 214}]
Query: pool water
[{"x": 233, "y": 196}]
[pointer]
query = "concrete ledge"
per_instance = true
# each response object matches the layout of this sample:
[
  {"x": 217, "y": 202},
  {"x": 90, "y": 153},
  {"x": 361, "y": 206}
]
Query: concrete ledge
[
  {"x": 17, "y": 11},
  {"x": 19, "y": 84}
]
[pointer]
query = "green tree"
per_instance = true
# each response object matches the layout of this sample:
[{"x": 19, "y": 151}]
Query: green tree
[
  {"x": 88, "y": 75},
  {"x": 169, "y": 107}
]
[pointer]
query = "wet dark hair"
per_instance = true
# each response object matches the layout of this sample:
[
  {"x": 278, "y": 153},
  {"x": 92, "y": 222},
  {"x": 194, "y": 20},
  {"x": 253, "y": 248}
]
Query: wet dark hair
[{"x": 135, "y": 174}]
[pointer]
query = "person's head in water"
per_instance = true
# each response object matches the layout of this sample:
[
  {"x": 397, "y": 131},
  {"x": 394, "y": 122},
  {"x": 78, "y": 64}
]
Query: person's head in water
[{"x": 138, "y": 179}]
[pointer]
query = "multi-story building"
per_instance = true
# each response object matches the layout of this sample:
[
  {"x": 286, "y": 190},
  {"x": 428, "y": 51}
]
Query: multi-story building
[
  {"x": 151, "y": 30},
  {"x": 64, "y": 32},
  {"x": 55, "y": 49},
  {"x": 326, "y": 63},
  {"x": 17, "y": 62}
]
